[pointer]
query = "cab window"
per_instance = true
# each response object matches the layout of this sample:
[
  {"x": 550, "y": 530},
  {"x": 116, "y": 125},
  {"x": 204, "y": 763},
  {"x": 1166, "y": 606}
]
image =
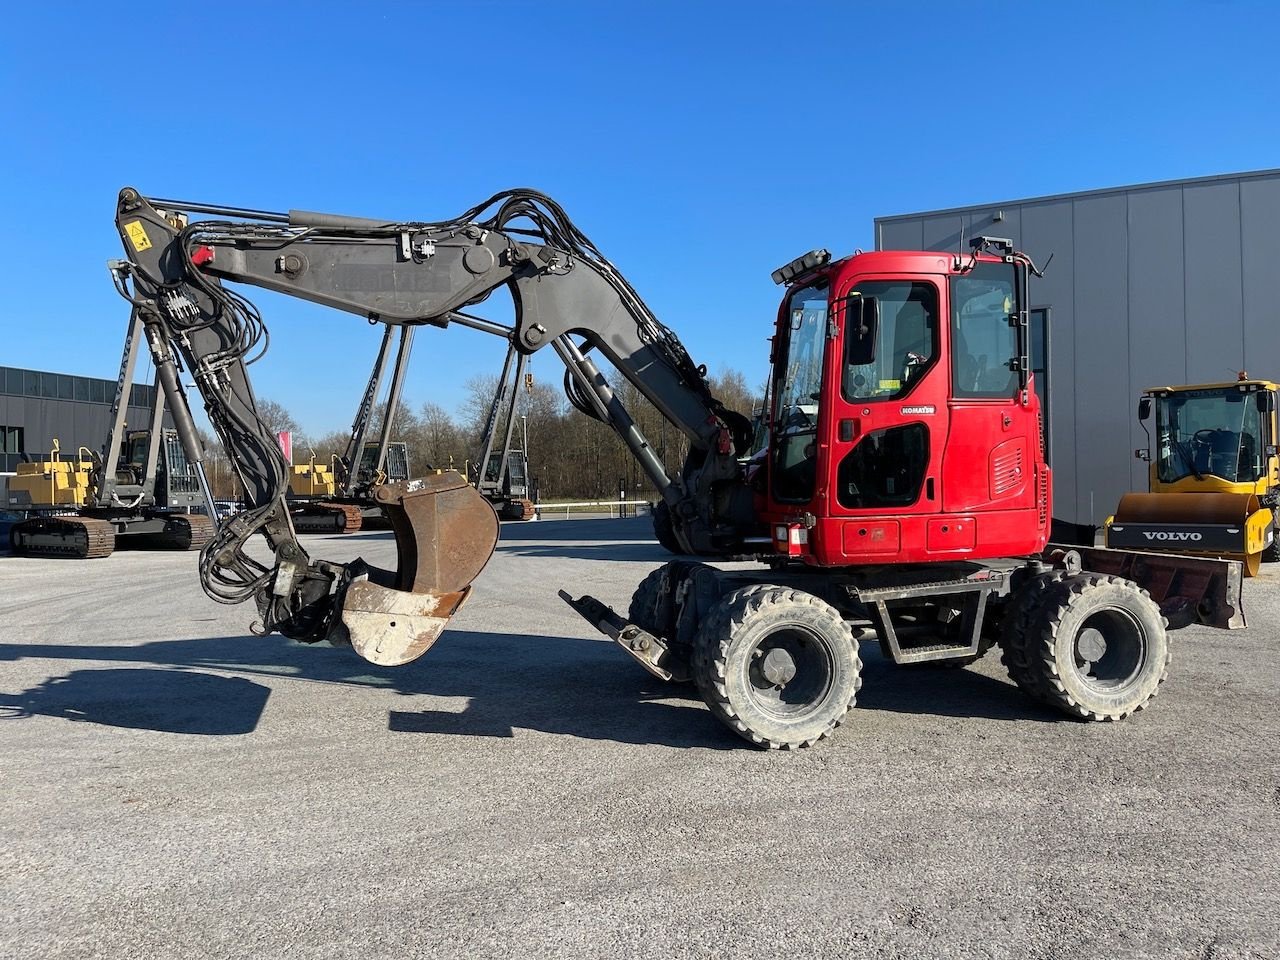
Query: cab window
[
  {"x": 984, "y": 337},
  {"x": 891, "y": 337}
]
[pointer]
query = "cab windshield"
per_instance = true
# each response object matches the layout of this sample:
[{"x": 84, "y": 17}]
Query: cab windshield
[
  {"x": 1214, "y": 432},
  {"x": 797, "y": 393}
]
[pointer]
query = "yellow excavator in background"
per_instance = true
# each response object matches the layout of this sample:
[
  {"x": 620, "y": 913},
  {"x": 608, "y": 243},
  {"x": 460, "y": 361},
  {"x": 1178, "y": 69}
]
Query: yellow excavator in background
[
  {"x": 1214, "y": 478},
  {"x": 312, "y": 488},
  {"x": 138, "y": 488},
  {"x": 140, "y": 492}
]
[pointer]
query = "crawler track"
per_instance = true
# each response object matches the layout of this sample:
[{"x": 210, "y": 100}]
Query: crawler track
[
  {"x": 186, "y": 531},
  {"x": 326, "y": 517},
  {"x": 76, "y": 538}
]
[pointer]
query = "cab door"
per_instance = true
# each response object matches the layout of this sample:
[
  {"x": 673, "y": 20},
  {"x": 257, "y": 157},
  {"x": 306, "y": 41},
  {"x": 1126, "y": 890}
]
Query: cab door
[
  {"x": 994, "y": 445},
  {"x": 889, "y": 416}
]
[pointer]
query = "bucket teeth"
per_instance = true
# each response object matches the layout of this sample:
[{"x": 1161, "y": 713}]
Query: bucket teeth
[{"x": 445, "y": 533}]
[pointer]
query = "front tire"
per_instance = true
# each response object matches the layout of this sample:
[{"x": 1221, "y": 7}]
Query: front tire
[
  {"x": 1096, "y": 647},
  {"x": 779, "y": 667}
]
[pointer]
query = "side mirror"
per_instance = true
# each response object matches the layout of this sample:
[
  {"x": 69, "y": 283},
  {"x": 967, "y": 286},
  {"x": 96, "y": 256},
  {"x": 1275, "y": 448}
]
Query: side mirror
[
  {"x": 1144, "y": 409},
  {"x": 1141, "y": 454},
  {"x": 861, "y": 321}
]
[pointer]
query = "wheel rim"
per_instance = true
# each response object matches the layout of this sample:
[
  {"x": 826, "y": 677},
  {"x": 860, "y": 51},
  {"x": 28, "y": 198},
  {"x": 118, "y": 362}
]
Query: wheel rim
[
  {"x": 789, "y": 672},
  {"x": 1109, "y": 650}
]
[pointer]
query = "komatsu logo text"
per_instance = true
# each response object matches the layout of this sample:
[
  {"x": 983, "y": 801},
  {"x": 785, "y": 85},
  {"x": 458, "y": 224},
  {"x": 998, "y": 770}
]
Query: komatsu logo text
[{"x": 1167, "y": 535}]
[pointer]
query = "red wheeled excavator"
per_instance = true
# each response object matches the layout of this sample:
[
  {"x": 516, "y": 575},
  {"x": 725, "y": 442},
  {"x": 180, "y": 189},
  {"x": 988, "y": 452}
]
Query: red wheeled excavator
[{"x": 903, "y": 494}]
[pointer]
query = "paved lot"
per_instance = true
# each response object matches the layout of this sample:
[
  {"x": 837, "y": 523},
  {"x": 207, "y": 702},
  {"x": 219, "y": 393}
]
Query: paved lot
[{"x": 174, "y": 787}]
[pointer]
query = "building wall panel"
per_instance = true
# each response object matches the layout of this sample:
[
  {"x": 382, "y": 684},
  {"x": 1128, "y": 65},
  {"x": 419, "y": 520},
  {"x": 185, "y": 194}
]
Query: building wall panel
[
  {"x": 1214, "y": 294},
  {"x": 1047, "y": 230},
  {"x": 1260, "y": 253},
  {"x": 1102, "y": 353},
  {"x": 1157, "y": 322},
  {"x": 900, "y": 235}
]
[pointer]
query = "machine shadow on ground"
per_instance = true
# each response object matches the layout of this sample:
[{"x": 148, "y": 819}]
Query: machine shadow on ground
[
  {"x": 630, "y": 539},
  {"x": 164, "y": 700},
  {"x": 558, "y": 685},
  {"x": 581, "y": 688},
  {"x": 943, "y": 691}
]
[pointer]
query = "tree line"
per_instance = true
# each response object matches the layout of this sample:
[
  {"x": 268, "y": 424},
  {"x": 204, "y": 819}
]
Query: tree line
[{"x": 571, "y": 456}]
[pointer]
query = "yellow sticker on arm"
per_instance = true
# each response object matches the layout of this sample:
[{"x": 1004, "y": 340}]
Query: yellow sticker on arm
[{"x": 138, "y": 235}]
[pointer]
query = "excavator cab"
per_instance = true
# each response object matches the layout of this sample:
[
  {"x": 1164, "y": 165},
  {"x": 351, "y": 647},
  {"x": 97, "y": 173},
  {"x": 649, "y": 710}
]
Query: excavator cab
[
  {"x": 395, "y": 465},
  {"x": 177, "y": 484},
  {"x": 903, "y": 427}
]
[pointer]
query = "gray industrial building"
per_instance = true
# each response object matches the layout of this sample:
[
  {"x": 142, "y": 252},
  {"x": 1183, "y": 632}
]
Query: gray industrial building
[
  {"x": 37, "y": 406},
  {"x": 1156, "y": 284}
]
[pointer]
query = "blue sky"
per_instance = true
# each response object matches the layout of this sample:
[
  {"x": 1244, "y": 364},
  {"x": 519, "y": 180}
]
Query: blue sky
[{"x": 700, "y": 145}]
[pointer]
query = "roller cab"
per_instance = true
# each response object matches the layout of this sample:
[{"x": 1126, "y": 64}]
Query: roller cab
[{"x": 1213, "y": 474}]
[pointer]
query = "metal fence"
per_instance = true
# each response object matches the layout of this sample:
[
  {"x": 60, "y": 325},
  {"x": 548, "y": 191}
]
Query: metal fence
[{"x": 615, "y": 508}]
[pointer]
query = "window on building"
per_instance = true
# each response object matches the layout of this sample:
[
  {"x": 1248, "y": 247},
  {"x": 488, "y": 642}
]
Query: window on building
[
  {"x": 11, "y": 439},
  {"x": 1039, "y": 320}
]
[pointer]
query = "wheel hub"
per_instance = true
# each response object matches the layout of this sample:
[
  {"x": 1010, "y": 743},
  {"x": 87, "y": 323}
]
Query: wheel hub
[
  {"x": 778, "y": 667},
  {"x": 1091, "y": 645}
]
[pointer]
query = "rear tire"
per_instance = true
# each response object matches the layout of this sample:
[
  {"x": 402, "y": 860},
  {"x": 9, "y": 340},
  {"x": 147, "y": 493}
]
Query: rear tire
[
  {"x": 1096, "y": 647},
  {"x": 779, "y": 667},
  {"x": 1020, "y": 612}
]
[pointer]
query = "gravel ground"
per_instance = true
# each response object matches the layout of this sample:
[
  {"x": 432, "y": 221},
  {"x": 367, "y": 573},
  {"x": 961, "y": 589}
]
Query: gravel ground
[{"x": 174, "y": 787}]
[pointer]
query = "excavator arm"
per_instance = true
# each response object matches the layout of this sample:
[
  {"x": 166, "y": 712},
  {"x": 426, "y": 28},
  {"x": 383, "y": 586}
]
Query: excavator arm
[{"x": 410, "y": 273}]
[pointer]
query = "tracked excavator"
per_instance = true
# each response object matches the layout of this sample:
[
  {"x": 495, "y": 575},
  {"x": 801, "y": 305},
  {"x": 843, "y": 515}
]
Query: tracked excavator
[
  {"x": 315, "y": 501},
  {"x": 335, "y": 495},
  {"x": 139, "y": 488},
  {"x": 1214, "y": 482},
  {"x": 903, "y": 495}
]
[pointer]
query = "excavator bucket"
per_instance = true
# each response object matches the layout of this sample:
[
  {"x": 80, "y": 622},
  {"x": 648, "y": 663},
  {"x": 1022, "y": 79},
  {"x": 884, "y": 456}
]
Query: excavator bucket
[
  {"x": 445, "y": 533},
  {"x": 1232, "y": 525}
]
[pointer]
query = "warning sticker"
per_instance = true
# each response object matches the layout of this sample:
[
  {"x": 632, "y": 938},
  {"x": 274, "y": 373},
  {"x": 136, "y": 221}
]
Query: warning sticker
[{"x": 138, "y": 235}]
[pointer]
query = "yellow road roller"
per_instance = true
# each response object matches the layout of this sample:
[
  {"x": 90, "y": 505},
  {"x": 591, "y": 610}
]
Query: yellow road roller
[{"x": 1213, "y": 474}]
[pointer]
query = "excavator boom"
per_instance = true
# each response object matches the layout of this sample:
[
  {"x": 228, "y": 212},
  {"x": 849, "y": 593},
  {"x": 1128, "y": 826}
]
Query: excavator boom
[{"x": 405, "y": 274}]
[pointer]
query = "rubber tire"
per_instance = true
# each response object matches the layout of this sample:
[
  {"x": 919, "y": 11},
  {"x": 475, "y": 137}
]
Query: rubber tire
[
  {"x": 664, "y": 531},
  {"x": 652, "y": 604},
  {"x": 722, "y": 659},
  {"x": 1020, "y": 612},
  {"x": 1271, "y": 554},
  {"x": 1050, "y": 638}
]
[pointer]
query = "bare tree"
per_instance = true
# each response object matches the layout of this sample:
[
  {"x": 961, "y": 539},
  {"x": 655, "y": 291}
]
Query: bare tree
[{"x": 278, "y": 418}]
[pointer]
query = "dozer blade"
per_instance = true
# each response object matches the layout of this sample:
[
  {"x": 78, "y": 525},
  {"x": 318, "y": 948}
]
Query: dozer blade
[{"x": 445, "y": 533}]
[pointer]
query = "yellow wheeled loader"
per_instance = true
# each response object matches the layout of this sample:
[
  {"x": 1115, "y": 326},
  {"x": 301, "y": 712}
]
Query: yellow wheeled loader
[{"x": 1213, "y": 475}]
